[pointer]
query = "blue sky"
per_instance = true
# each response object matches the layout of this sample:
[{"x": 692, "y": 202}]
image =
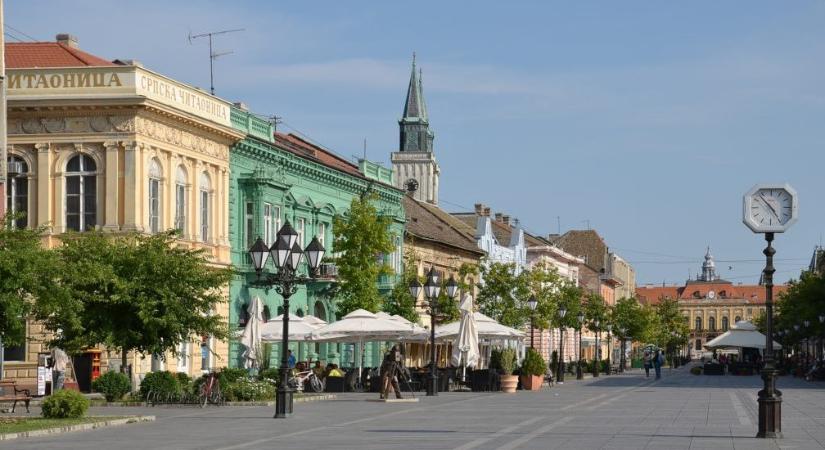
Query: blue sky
[{"x": 649, "y": 120}]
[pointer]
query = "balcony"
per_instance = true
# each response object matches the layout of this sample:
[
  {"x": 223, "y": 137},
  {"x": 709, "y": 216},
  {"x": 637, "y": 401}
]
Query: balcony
[{"x": 328, "y": 271}]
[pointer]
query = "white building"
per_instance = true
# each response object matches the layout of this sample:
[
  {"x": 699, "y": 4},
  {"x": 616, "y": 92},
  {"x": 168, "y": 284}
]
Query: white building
[{"x": 501, "y": 238}]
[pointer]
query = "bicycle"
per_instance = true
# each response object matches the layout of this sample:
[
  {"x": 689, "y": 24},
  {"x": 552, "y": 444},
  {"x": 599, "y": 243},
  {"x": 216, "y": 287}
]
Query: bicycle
[
  {"x": 210, "y": 391},
  {"x": 298, "y": 380}
]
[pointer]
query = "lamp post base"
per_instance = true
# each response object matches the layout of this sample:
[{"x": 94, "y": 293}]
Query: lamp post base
[
  {"x": 432, "y": 386},
  {"x": 283, "y": 402},
  {"x": 770, "y": 407}
]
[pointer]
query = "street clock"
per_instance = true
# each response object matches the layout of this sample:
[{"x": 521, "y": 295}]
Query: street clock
[{"x": 770, "y": 208}]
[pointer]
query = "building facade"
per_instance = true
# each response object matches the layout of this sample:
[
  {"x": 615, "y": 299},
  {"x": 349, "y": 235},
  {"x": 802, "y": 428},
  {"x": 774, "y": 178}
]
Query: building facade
[
  {"x": 710, "y": 304},
  {"x": 499, "y": 237},
  {"x": 95, "y": 144},
  {"x": 414, "y": 164},
  {"x": 277, "y": 178}
]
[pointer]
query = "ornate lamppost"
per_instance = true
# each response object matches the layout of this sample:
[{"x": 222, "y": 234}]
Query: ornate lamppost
[
  {"x": 623, "y": 337},
  {"x": 532, "y": 303},
  {"x": 609, "y": 327},
  {"x": 580, "y": 321},
  {"x": 769, "y": 209},
  {"x": 562, "y": 312},
  {"x": 287, "y": 256},
  {"x": 597, "y": 362},
  {"x": 807, "y": 324},
  {"x": 432, "y": 289}
]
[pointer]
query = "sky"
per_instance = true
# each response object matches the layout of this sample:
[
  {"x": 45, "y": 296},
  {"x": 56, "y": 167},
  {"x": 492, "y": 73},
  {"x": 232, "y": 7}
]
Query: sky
[{"x": 646, "y": 121}]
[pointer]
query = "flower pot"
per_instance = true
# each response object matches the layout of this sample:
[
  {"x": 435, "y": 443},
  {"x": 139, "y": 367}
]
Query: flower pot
[
  {"x": 509, "y": 383},
  {"x": 531, "y": 382}
]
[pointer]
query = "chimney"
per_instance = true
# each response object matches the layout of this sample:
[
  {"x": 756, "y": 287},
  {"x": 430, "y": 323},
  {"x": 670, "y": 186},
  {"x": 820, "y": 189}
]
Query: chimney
[
  {"x": 479, "y": 209},
  {"x": 487, "y": 211},
  {"x": 69, "y": 40},
  {"x": 505, "y": 219},
  {"x": 498, "y": 217}
]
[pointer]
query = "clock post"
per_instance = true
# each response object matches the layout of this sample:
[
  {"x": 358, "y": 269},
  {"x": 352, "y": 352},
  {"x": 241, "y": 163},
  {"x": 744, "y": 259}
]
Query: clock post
[{"x": 769, "y": 209}]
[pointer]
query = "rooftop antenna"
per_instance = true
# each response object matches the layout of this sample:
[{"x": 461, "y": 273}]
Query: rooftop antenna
[{"x": 213, "y": 55}]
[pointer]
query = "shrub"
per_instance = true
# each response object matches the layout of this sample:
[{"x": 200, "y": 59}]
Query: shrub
[
  {"x": 248, "y": 389},
  {"x": 229, "y": 375},
  {"x": 65, "y": 404},
  {"x": 163, "y": 384},
  {"x": 508, "y": 361},
  {"x": 113, "y": 385},
  {"x": 696, "y": 370},
  {"x": 533, "y": 364},
  {"x": 269, "y": 374}
]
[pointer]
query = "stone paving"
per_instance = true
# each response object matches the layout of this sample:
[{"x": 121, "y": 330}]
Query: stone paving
[{"x": 681, "y": 411}]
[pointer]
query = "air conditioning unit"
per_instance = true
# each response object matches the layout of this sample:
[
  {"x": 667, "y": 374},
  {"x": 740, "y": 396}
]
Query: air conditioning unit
[{"x": 15, "y": 168}]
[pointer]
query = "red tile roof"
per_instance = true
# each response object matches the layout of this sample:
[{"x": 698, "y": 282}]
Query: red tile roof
[
  {"x": 24, "y": 55},
  {"x": 725, "y": 293},
  {"x": 306, "y": 149}
]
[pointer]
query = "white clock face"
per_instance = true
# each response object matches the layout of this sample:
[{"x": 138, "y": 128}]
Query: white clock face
[
  {"x": 711, "y": 295},
  {"x": 770, "y": 208}
]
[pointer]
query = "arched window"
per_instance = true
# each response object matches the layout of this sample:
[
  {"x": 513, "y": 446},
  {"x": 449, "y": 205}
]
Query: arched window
[
  {"x": 712, "y": 323},
  {"x": 17, "y": 192},
  {"x": 81, "y": 193},
  {"x": 180, "y": 200},
  {"x": 698, "y": 324},
  {"x": 206, "y": 207},
  {"x": 737, "y": 319},
  {"x": 320, "y": 311},
  {"x": 154, "y": 196},
  {"x": 725, "y": 323},
  {"x": 300, "y": 313}
]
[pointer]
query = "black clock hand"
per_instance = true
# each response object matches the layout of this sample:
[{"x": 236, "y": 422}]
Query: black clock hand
[{"x": 762, "y": 196}]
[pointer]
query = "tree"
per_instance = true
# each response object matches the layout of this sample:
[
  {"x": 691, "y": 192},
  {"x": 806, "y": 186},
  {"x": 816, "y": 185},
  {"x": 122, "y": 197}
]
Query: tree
[
  {"x": 504, "y": 295},
  {"x": 27, "y": 274},
  {"x": 400, "y": 301},
  {"x": 636, "y": 321},
  {"x": 360, "y": 240},
  {"x": 135, "y": 293},
  {"x": 595, "y": 309},
  {"x": 671, "y": 325}
]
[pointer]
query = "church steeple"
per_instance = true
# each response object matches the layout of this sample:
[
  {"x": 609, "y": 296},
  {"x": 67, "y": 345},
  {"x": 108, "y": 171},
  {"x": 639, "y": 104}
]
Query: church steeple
[
  {"x": 415, "y": 124},
  {"x": 709, "y": 268}
]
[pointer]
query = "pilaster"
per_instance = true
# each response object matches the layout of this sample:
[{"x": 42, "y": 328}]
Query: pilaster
[
  {"x": 44, "y": 193},
  {"x": 111, "y": 203},
  {"x": 132, "y": 175}
]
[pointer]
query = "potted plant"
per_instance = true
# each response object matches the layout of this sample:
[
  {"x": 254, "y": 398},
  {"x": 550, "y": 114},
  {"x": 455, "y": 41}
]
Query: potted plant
[
  {"x": 507, "y": 364},
  {"x": 533, "y": 369}
]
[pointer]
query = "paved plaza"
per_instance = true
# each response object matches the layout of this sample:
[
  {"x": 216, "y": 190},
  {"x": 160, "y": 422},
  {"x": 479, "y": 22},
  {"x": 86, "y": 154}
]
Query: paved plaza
[{"x": 681, "y": 411}]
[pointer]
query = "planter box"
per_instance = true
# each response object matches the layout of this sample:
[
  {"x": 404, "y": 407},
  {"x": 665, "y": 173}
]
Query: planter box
[
  {"x": 531, "y": 382},
  {"x": 509, "y": 383}
]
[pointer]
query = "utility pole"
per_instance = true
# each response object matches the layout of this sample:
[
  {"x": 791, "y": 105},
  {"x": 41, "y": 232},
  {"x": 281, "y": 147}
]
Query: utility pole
[{"x": 3, "y": 156}]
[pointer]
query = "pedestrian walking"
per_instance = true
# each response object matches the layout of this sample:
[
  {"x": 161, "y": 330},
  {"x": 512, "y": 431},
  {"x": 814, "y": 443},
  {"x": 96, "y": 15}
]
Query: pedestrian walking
[
  {"x": 658, "y": 361},
  {"x": 59, "y": 363},
  {"x": 648, "y": 361}
]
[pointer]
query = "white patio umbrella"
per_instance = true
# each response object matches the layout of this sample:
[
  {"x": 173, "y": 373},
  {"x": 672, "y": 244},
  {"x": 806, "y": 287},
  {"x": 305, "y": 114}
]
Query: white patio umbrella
[
  {"x": 361, "y": 326},
  {"x": 486, "y": 328},
  {"x": 466, "y": 343},
  {"x": 251, "y": 336},
  {"x": 299, "y": 328},
  {"x": 742, "y": 334}
]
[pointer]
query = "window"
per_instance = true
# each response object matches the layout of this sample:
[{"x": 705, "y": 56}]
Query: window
[
  {"x": 272, "y": 221},
  {"x": 322, "y": 232},
  {"x": 205, "y": 206},
  {"x": 154, "y": 196},
  {"x": 180, "y": 200},
  {"x": 737, "y": 319},
  {"x": 698, "y": 344},
  {"x": 724, "y": 323},
  {"x": 250, "y": 224},
  {"x": 301, "y": 232},
  {"x": 183, "y": 357},
  {"x": 17, "y": 193},
  {"x": 81, "y": 193},
  {"x": 698, "y": 324},
  {"x": 14, "y": 353},
  {"x": 712, "y": 323}
]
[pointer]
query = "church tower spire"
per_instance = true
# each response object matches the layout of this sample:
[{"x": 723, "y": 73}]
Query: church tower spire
[{"x": 416, "y": 169}]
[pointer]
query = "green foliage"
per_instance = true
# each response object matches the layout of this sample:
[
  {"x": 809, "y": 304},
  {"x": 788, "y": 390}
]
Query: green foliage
[
  {"x": 508, "y": 361},
  {"x": 134, "y": 292},
  {"x": 246, "y": 389},
  {"x": 803, "y": 300},
  {"x": 113, "y": 385},
  {"x": 65, "y": 404},
  {"x": 495, "y": 359},
  {"x": 671, "y": 326},
  {"x": 163, "y": 384},
  {"x": 26, "y": 273},
  {"x": 637, "y": 321},
  {"x": 533, "y": 363},
  {"x": 359, "y": 239},
  {"x": 269, "y": 375},
  {"x": 595, "y": 309},
  {"x": 400, "y": 301},
  {"x": 503, "y": 296}
]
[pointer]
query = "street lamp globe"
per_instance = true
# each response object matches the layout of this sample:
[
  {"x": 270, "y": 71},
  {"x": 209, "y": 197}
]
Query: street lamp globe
[
  {"x": 288, "y": 235},
  {"x": 609, "y": 327},
  {"x": 431, "y": 287},
  {"x": 580, "y": 317},
  {"x": 415, "y": 288},
  {"x": 532, "y": 303},
  {"x": 562, "y": 311},
  {"x": 314, "y": 253},
  {"x": 807, "y": 323},
  {"x": 281, "y": 252},
  {"x": 796, "y": 327},
  {"x": 452, "y": 287},
  {"x": 259, "y": 253},
  {"x": 295, "y": 257},
  {"x": 596, "y": 323}
]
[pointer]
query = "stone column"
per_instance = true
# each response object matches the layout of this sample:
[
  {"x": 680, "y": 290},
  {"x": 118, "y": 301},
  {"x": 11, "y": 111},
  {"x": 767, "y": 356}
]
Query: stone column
[
  {"x": 197, "y": 169},
  {"x": 111, "y": 204},
  {"x": 44, "y": 193},
  {"x": 224, "y": 206},
  {"x": 132, "y": 201}
]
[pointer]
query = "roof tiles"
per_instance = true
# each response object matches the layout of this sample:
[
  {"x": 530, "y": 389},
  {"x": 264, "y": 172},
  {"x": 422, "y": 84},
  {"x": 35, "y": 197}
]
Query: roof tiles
[{"x": 25, "y": 55}]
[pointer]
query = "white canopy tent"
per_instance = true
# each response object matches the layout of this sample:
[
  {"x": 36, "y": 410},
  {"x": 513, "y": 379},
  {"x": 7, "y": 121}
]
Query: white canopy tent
[
  {"x": 486, "y": 327},
  {"x": 299, "y": 328},
  {"x": 742, "y": 334}
]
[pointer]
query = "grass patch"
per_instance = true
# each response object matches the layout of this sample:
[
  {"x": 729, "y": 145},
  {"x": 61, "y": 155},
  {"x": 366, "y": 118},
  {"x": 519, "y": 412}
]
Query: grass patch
[{"x": 22, "y": 424}]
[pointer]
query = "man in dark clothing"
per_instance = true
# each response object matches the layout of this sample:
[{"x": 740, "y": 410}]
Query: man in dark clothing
[{"x": 390, "y": 369}]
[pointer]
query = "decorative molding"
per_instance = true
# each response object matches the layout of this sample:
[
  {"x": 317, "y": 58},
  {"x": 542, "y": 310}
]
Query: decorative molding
[
  {"x": 181, "y": 138},
  {"x": 82, "y": 124}
]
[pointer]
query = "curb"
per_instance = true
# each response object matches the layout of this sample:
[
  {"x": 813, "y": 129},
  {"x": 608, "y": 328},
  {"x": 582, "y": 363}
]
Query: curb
[
  {"x": 78, "y": 427},
  {"x": 306, "y": 399}
]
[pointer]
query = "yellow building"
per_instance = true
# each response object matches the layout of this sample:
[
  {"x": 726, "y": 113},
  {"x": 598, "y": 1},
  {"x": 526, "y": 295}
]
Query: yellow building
[{"x": 95, "y": 144}]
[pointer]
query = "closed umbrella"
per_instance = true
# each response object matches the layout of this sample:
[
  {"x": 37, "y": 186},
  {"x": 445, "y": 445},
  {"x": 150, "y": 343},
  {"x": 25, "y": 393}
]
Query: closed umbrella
[
  {"x": 251, "y": 336},
  {"x": 466, "y": 342}
]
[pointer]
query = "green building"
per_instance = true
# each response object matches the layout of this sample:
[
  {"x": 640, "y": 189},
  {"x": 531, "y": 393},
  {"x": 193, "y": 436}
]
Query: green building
[{"x": 275, "y": 178}]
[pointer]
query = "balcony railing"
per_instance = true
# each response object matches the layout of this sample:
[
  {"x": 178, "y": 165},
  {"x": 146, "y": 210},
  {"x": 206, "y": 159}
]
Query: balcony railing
[{"x": 328, "y": 270}]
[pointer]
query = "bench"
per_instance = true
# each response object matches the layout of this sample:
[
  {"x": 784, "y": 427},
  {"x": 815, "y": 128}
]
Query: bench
[{"x": 9, "y": 392}]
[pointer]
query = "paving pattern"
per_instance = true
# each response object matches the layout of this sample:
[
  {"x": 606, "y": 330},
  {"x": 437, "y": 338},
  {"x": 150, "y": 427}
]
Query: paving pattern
[{"x": 680, "y": 411}]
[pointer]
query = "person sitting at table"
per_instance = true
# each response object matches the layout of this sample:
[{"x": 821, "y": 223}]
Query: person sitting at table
[
  {"x": 318, "y": 370},
  {"x": 335, "y": 372}
]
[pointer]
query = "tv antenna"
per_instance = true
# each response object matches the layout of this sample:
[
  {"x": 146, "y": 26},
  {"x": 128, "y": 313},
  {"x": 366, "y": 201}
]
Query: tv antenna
[{"x": 213, "y": 55}]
